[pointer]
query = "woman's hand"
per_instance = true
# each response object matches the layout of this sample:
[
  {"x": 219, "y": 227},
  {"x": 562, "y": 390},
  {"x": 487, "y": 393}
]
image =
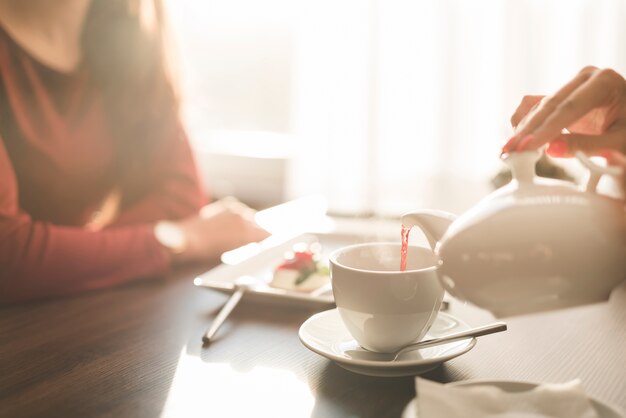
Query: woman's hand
[
  {"x": 220, "y": 226},
  {"x": 587, "y": 114}
]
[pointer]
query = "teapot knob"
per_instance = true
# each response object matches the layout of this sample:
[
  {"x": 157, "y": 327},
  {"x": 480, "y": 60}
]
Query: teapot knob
[{"x": 522, "y": 164}]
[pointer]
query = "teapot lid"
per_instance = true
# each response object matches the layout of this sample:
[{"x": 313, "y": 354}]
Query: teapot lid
[{"x": 522, "y": 164}]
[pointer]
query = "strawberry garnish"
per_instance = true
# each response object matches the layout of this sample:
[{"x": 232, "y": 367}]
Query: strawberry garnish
[{"x": 299, "y": 260}]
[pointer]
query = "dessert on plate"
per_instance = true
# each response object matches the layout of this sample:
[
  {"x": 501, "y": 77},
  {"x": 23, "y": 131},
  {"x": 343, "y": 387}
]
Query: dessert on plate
[{"x": 301, "y": 270}]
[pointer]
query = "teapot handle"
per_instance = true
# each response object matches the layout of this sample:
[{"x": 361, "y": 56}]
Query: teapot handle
[{"x": 596, "y": 171}]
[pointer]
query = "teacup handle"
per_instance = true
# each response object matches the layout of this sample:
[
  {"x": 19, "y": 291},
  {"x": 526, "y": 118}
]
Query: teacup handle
[{"x": 596, "y": 171}]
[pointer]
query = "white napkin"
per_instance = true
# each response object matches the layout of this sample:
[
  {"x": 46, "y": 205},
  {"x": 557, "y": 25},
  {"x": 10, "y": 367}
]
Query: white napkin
[{"x": 566, "y": 400}]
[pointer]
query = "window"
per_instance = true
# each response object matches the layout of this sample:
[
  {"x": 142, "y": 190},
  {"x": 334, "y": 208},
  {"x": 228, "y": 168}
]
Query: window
[{"x": 381, "y": 106}]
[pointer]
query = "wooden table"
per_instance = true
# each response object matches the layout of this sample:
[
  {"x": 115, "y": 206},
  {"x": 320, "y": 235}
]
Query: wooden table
[{"x": 136, "y": 351}]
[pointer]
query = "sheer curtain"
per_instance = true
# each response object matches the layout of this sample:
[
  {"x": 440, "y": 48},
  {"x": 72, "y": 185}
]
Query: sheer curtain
[
  {"x": 405, "y": 104},
  {"x": 382, "y": 106}
]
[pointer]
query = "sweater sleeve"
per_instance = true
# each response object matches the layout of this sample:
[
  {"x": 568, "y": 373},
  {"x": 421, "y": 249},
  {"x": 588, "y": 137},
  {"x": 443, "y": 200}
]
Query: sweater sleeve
[
  {"x": 167, "y": 187},
  {"x": 40, "y": 260}
]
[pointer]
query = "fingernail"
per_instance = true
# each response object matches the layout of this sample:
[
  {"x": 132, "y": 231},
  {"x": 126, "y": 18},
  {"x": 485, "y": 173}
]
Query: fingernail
[
  {"x": 522, "y": 144},
  {"x": 508, "y": 144},
  {"x": 557, "y": 148}
]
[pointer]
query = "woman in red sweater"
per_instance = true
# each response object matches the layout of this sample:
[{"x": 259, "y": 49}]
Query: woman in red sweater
[{"x": 97, "y": 181}]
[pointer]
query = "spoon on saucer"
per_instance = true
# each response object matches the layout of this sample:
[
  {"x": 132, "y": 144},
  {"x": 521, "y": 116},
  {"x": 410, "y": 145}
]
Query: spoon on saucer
[{"x": 363, "y": 354}]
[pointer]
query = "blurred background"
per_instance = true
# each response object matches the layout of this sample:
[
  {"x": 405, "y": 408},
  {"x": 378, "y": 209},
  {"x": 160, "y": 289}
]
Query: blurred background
[{"x": 381, "y": 106}]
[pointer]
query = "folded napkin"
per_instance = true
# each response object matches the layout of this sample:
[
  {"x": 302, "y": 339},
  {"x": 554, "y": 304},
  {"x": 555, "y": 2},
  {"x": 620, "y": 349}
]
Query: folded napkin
[{"x": 566, "y": 400}]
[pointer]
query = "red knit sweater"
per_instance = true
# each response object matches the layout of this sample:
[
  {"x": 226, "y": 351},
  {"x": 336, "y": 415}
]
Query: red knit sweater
[{"x": 57, "y": 163}]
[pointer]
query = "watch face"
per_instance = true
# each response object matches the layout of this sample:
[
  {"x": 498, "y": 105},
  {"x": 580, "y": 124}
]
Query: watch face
[{"x": 170, "y": 236}]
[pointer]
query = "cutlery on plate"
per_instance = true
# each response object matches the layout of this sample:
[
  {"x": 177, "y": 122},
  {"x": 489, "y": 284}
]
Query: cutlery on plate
[
  {"x": 471, "y": 333},
  {"x": 241, "y": 285}
]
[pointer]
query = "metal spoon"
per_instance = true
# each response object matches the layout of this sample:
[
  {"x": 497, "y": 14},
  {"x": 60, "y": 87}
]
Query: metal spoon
[{"x": 471, "y": 333}]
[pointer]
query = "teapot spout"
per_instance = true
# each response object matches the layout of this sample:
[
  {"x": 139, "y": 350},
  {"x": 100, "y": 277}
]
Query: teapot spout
[{"x": 433, "y": 223}]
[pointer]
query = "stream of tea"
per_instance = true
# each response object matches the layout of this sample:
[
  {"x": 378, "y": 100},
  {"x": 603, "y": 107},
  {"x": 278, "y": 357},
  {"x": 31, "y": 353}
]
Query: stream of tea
[{"x": 406, "y": 230}]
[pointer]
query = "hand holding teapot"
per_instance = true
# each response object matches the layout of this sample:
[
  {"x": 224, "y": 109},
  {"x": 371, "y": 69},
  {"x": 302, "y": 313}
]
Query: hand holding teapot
[{"x": 587, "y": 114}]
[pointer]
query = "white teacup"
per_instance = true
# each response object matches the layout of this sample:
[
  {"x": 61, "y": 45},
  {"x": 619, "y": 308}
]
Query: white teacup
[{"x": 384, "y": 308}]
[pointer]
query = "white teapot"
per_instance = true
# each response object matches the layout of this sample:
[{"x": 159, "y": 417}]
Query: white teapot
[{"x": 535, "y": 244}]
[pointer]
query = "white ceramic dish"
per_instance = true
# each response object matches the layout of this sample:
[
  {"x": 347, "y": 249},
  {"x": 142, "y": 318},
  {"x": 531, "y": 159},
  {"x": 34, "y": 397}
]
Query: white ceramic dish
[
  {"x": 257, "y": 261},
  {"x": 602, "y": 409},
  {"x": 325, "y": 334}
]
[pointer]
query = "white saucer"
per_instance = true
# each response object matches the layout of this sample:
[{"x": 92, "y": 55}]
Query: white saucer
[
  {"x": 325, "y": 334},
  {"x": 602, "y": 409}
]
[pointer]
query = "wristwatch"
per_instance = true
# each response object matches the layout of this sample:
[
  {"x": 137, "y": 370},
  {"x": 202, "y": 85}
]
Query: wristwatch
[{"x": 171, "y": 236}]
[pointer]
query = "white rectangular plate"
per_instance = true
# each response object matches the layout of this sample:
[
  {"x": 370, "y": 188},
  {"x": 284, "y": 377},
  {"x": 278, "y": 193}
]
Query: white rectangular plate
[{"x": 258, "y": 269}]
